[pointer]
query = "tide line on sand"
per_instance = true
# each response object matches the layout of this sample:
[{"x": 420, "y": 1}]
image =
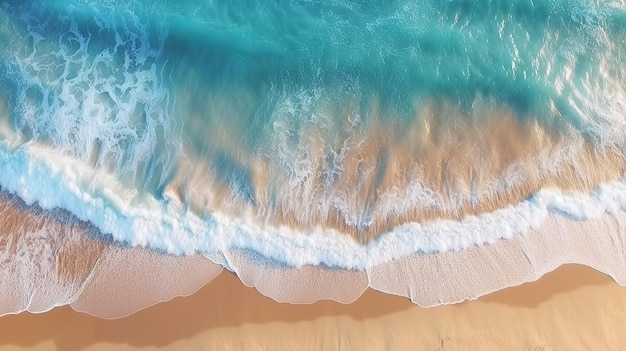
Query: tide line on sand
[
  {"x": 121, "y": 280},
  {"x": 428, "y": 280}
]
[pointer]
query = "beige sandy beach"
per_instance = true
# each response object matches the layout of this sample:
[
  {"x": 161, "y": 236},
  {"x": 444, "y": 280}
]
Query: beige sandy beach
[{"x": 572, "y": 308}]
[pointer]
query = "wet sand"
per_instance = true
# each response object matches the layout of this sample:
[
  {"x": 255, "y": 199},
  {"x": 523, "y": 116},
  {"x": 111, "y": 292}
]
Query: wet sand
[{"x": 571, "y": 308}]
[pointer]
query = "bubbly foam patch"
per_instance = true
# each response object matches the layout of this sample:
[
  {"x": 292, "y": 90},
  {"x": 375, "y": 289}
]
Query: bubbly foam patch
[{"x": 91, "y": 84}]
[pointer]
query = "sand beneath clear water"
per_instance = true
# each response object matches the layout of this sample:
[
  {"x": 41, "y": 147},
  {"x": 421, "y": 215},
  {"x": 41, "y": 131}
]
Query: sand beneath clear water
[{"x": 571, "y": 308}]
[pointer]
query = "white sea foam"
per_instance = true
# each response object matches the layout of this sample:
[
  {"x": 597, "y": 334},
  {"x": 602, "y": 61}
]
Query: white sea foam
[
  {"x": 36, "y": 174},
  {"x": 83, "y": 106},
  {"x": 100, "y": 98}
]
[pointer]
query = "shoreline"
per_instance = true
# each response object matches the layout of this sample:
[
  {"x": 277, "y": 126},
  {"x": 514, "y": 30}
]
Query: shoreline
[
  {"x": 225, "y": 314},
  {"x": 125, "y": 280},
  {"x": 584, "y": 309}
]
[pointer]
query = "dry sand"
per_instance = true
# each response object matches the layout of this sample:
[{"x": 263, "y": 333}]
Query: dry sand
[{"x": 572, "y": 308}]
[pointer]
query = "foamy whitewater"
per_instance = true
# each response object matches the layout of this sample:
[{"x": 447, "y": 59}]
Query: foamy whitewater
[{"x": 340, "y": 134}]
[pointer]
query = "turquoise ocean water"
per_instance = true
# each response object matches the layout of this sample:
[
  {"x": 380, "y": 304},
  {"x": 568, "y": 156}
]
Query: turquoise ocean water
[{"x": 107, "y": 105}]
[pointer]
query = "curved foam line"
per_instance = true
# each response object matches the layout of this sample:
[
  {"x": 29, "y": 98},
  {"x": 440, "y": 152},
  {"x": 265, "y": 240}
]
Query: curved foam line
[
  {"x": 454, "y": 277},
  {"x": 37, "y": 175}
]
